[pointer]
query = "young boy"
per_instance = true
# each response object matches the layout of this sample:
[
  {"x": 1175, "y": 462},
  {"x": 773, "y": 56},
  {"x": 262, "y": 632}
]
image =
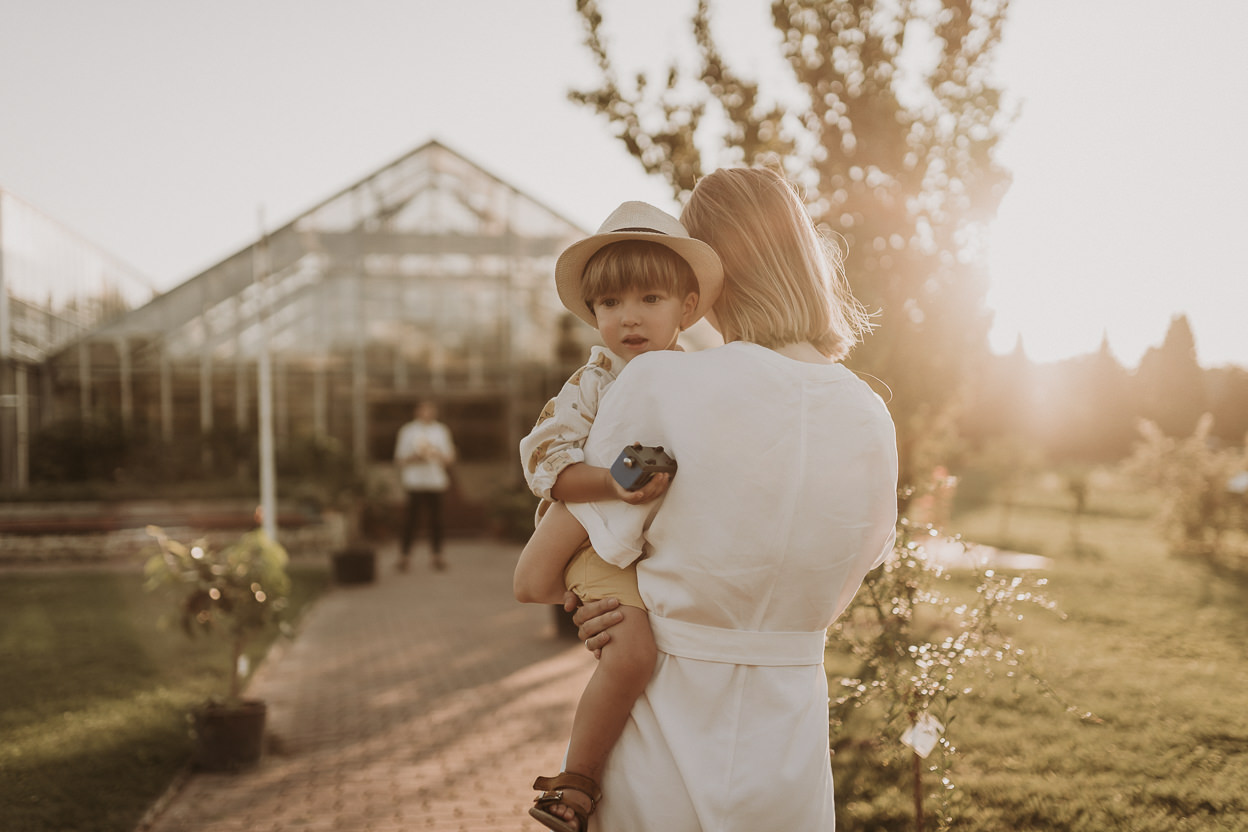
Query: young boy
[{"x": 640, "y": 281}]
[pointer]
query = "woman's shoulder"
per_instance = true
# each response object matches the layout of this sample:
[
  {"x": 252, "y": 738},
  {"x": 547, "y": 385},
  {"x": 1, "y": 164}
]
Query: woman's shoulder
[{"x": 676, "y": 363}]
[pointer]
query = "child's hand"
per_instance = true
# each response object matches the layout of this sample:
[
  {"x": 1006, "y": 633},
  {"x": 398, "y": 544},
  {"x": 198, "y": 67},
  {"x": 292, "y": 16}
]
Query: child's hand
[{"x": 654, "y": 488}]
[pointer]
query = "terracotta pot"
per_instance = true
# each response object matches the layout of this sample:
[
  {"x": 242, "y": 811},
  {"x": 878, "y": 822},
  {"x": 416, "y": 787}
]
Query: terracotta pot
[{"x": 229, "y": 737}]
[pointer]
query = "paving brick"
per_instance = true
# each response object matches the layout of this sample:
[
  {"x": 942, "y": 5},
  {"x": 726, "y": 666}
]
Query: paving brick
[{"x": 423, "y": 701}]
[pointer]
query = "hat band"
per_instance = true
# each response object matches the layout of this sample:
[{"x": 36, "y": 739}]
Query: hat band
[{"x": 639, "y": 228}]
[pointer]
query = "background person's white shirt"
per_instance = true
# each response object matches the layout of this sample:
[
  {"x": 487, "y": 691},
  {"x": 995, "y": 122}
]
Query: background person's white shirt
[{"x": 431, "y": 440}]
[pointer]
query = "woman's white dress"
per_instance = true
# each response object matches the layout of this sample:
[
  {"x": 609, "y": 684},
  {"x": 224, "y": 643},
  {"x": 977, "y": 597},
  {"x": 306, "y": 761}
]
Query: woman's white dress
[{"x": 785, "y": 498}]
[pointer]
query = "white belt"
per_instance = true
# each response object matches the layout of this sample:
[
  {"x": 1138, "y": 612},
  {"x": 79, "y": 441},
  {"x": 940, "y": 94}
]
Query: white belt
[{"x": 750, "y": 647}]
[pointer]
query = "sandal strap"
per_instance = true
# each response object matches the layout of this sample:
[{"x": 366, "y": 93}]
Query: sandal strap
[{"x": 571, "y": 780}]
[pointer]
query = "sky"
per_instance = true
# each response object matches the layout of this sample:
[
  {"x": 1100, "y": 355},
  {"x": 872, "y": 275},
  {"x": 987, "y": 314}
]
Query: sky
[{"x": 163, "y": 131}]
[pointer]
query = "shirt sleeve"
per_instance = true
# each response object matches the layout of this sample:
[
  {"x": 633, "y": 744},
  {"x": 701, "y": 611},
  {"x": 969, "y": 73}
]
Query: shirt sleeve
[
  {"x": 401, "y": 444},
  {"x": 558, "y": 436},
  {"x": 626, "y": 414},
  {"x": 446, "y": 444}
]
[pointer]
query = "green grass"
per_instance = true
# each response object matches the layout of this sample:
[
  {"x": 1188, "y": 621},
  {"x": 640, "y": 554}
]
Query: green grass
[
  {"x": 1151, "y": 644},
  {"x": 95, "y": 693}
]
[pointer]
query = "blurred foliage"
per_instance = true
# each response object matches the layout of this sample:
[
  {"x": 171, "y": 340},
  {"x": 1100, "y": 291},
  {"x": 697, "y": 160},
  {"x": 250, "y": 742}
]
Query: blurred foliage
[
  {"x": 1086, "y": 410},
  {"x": 94, "y": 460},
  {"x": 511, "y": 512},
  {"x": 74, "y": 450},
  {"x": 94, "y": 718},
  {"x": 1204, "y": 491},
  {"x": 1150, "y": 643},
  {"x": 1227, "y": 388},
  {"x": 890, "y": 121},
  {"x": 236, "y": 592},
  {"x": 1170, "y": 382},
  {"x": 911, "y": 646}
]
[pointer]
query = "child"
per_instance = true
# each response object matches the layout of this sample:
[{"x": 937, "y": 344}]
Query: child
[{"x": 640, "y": 281}]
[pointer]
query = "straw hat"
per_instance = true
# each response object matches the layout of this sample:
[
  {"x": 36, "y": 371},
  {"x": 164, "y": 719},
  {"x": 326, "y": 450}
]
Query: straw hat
[{"x": 639, "y": 221}]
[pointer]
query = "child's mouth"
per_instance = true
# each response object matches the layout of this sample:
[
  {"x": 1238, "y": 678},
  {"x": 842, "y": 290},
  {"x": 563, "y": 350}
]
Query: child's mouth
[{"x": 635, "y": 341}]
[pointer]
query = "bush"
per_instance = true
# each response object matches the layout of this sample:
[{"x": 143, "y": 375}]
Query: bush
[
  {"x": 909, "y": 647},
  {"x": 74, "y": 450},
  {"x": 511, "y": 511},
  {"x": 1194, "y": 478}
]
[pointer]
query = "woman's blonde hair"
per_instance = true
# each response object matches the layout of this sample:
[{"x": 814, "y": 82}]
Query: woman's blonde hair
[
  {"x": 783, "y": 283},
  {"x": 636, "y": 264}
]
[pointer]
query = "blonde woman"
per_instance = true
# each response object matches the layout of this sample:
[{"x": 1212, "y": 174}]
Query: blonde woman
[{"x": 786, "y": 498}]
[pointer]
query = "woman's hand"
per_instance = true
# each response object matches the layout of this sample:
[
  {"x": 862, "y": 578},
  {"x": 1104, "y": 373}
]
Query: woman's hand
[{"x": 593, "y": 620}]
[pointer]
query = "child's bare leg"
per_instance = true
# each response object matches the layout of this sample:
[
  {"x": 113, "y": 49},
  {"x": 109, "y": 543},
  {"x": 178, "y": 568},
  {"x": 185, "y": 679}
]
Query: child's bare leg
[
  {"x": 622, "y": 674},
  {"x": 539, "y": 572}
]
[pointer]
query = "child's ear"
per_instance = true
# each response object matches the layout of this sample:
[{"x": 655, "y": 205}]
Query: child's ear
[{"x": 691, "y": 303}]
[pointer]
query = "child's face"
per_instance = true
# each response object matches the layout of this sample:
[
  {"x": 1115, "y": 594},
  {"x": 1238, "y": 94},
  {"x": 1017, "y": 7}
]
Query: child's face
[{"x": 641, "y": 320}]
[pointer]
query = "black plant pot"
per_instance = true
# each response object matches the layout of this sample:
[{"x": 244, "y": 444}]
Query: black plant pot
[
  {"x": 229, "y": 737},
  {"x": 355, "y": 565}
]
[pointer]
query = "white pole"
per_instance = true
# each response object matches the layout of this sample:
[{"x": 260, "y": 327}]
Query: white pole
[
  {"x": 23, "y": 428},
  {"x": 268, "y": 483}
]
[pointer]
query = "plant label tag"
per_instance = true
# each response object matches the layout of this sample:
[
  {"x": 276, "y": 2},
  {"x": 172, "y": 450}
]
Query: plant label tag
[{"x": 923, "y": 735}]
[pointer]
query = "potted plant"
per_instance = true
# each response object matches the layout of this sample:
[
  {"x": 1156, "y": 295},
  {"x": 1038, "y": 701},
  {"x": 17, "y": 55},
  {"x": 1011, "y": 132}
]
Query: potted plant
[
  {"x": 371, "y": 509},
  {"x": 236, "y": 593},
  {"x": 328, "y": 479},
  {"x": 355, "y": 562}
]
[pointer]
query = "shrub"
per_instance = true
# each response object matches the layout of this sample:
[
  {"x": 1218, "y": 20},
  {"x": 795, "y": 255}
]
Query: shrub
[
  {"x": 1193, "y": 477},
  {"x": 914, "y": 645}
]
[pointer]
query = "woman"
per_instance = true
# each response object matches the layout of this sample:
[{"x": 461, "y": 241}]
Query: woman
[{"x": 785, "y": 499}]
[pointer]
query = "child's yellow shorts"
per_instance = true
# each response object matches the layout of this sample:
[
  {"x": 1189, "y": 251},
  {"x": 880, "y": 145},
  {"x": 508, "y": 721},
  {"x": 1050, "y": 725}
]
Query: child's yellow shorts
[{"x": 593, "y": 579}]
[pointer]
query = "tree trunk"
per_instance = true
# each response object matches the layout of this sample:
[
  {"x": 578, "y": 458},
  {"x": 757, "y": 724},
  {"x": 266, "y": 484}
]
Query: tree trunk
[{"x": 918, "y": 793}]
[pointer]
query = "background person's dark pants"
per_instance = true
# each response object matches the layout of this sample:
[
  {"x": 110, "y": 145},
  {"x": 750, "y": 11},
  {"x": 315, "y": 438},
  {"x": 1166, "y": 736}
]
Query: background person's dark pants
[{"x": 429, "y": 504}]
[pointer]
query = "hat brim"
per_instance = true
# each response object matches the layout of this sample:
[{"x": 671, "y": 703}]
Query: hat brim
[{"x": 707, "y": 269}]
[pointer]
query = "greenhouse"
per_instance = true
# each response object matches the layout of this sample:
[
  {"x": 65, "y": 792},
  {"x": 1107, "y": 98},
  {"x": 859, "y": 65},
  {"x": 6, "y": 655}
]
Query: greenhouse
[{"x": 428, "y": 278}]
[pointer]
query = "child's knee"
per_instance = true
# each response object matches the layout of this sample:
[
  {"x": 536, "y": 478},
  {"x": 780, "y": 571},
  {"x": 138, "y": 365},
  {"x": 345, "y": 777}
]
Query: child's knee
[{"x": 631, "y": 654}]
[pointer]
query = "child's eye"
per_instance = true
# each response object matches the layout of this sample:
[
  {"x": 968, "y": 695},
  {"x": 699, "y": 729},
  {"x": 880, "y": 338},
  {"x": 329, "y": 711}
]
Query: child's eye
[
  {"x": 652, "y": 298},
  {"x": 607, "y": 302}
]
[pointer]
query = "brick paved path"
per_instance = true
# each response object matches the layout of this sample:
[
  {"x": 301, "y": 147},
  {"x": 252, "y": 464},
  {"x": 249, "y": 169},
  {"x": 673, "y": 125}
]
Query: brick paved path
[{"x": 424, "y": 701}]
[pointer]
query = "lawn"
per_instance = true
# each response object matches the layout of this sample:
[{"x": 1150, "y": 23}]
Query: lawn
[
  {"x": 1151, "y": 644},
  {"x": 94, "y": 696}
]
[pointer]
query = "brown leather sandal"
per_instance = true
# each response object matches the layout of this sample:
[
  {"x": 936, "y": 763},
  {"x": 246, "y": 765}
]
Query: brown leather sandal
[{"x": 552, "y": 793}]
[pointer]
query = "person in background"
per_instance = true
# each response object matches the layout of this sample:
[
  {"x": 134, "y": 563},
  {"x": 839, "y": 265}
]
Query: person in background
[{"x": 423, "y": 452}]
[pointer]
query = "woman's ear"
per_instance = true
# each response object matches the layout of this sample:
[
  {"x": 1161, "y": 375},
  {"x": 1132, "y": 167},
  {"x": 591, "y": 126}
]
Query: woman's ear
[{"x": 686, "y": 316}]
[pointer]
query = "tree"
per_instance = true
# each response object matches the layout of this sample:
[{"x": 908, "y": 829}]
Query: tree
[
  {"x": 1171, "y": 383},
  {"x": 891, "y": 131},
  {"x": 1089, "y": 413},
  {"x": 1228, "y": 403},
  {"x": 1001, "y": 401}
]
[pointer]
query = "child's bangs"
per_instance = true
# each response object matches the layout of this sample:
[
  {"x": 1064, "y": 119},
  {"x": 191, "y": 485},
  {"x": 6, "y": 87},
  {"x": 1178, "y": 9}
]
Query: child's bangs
[{"x": 636, "y": 264}]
